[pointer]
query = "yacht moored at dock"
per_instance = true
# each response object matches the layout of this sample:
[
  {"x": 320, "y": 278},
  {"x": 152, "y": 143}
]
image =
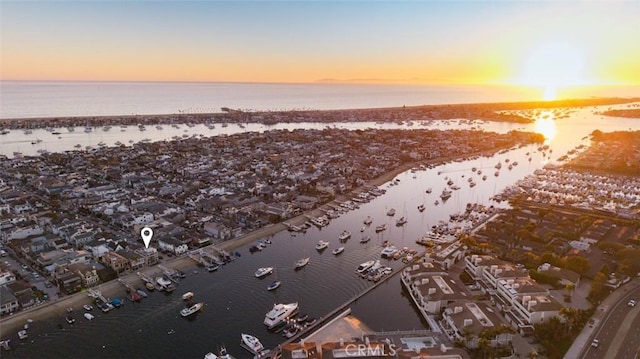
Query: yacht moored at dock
[
  {"x": 251, "y": 343},
  {"x": 279, "y": 313},
  {"x": 363, "y": 267}
]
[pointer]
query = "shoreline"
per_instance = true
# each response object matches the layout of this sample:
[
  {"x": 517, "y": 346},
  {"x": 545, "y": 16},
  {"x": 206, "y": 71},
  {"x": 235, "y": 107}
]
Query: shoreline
[
  {"x": 482, "y": 111},
  {"x": 12, "y": 323}
]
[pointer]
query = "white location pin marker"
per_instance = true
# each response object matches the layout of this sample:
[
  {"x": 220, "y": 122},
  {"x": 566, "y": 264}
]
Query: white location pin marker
[{"x": 146, "y": 233}]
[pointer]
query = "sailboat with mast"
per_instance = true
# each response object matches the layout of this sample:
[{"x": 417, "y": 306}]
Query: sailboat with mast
[{"x": 276, "y": 283}]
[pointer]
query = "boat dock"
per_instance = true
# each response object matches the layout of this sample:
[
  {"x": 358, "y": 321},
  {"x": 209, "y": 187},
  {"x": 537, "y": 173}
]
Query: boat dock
[
  {"x": 145, "y": 278},
  {"x": 341, "y": 310},
  {"x": 128, "y": 286}
]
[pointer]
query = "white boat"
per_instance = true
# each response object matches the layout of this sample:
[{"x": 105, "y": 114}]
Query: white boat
[
  {"x": 187, "y": 295},
  {"x": 279, "y": 313},
  {"x": 344, "y": 235},
  {"x": 388, "y": 251},
  {"x": 421, "y": 207},
  {"x": 368, "y": 220},
  {"x": 261, "y": 272},
  {"x": 302, "y": 262},
  {"x": 192, "y": 309},
  {"x": 338, "y": 250},
  {"x": 363, "y": 267},
  {"x": 88, "y": 316},
  {"x": 22, "y": 334},
  {"x": 251, "y": 343},
  {"x": 401, "y": 221},
  {"x": 322, "y": 245},
  {"x": 87, "y": 307},
  {"x": 165, "y": 284},
  {"x": 391, "y": 212},
  {"x": 365, "y": 239}
]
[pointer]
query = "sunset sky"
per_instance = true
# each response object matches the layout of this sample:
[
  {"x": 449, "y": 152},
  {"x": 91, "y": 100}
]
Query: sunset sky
[{"x": 541, "y": 43}]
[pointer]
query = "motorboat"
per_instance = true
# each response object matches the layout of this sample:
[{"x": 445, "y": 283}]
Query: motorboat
[
  {"x": 322, "y": 245},
  {"x": 87, "y": 307},
  {"x": 401, "y": 221},
  {"x": 368, "y": 220},
  {"x": 363, "y": 267},
  {"x": 344, "y": 235},
  {"x": 251, "y": 343},
  {"x": 388, "y": 252},
  {"x": 22, "y": 334},
  {"x": 279, "y": 313},
  {"x": 429, "y": 190},
  {"x": 187, "y": 296},
  {"x": 212, "y": 267},
  {"x": 222, "y": 354},
  {"x": 445, "y": 194},
  {"x": 365, "y": 239},
  {"x": 192, "y": 309},
  {"x": 421, "y": 207},
  {"x": 274, "y": 285},
  {"x": 338, "y": 250},
  {"x": 264, "y": 271},
  {"x": 382, "y": 228},
  {"x": 391, "y": 212},
  {"x": 302, "y": 262},
  {"x": 70, "y": 319},
  {"x": 88, "y": 316}
]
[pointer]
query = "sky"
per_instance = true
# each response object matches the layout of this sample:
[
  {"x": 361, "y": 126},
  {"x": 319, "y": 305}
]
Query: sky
[{"x": 541, "y": 43}]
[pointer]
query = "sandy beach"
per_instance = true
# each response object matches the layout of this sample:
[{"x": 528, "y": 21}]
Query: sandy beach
[{"x": 58, "y": 307}]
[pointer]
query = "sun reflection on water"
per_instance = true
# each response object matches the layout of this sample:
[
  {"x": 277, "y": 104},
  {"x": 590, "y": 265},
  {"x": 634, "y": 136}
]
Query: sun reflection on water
[{"x": 546, "y": 125}]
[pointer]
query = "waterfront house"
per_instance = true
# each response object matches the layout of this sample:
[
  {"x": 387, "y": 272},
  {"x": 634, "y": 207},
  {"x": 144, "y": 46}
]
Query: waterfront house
[
  {"x": 87, "y": 273},
  {"x": 69, "y": 282},
  {"x": 217, "y": 230},
  {"x": 150, "y": 255},
  {"x": 117, "y": 263},
  {"x": 8, "y": 301},
  {"x": 23, "y": 293},
  {"x": 172, "y": 244},
  {"x": 136, "y": 261}
]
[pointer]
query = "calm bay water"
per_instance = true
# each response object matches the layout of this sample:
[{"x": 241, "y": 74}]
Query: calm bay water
[{"x": 236, "y": 301}]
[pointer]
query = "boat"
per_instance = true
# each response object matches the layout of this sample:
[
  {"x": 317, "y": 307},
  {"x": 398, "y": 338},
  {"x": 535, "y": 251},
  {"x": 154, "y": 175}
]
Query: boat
[
  {"x": 338, "y": 250},
  {"x": 264, "y": 271},
  {"x": 472, "y": 184},
  {"x": 70, "y": 319},
  {"x": 499, "y": 165},
  {"x": 365, "y": 239},
  {"x": 421, "y": 208},
  {"x": 212, "y": 267},
  {"x": 429, "y": 190},
  {"x": 150, "y": 286},
  {"x": 87, "y": 307},
  {"x": 251, "y": 343},
  {"x": 401, "y": 221},
  {"x": 302, "y": 262},
  {"x": 388, "y": 252},
  {"x": 165, "y": 284},
  {"x": 192, "y": 309},
  {"x": 484, "y": 177},
  {"x": 382, "y": 228},
  {"x": 363, "y": 267},
  {"x": 69, "y": 310},
  {"x": 445, "y": 194},
  {"x": 344, "y": 235},
  {"x": 368, "y": 220},
  {"x": 88, "y": 316},
  {"x": 142, "y": 293},
  {"x": 187, "y": 296},
  {"x": 497, "y": 174},
  {"x": 22, "y": 334},
  {"x": 391, "y": 212},
  {"x": 362, "y": 229},
  {"x": 279, "y": 313},
  {"x": 274, "y": 285},
  {"x": 322, "y": 245}
]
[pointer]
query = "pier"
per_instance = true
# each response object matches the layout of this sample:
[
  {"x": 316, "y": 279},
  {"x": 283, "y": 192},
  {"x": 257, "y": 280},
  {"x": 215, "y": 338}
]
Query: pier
[{"x": 341, "y": 310}]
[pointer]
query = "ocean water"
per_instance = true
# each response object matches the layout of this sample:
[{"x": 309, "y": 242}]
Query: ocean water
[{"x": 51, "y": 99}]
